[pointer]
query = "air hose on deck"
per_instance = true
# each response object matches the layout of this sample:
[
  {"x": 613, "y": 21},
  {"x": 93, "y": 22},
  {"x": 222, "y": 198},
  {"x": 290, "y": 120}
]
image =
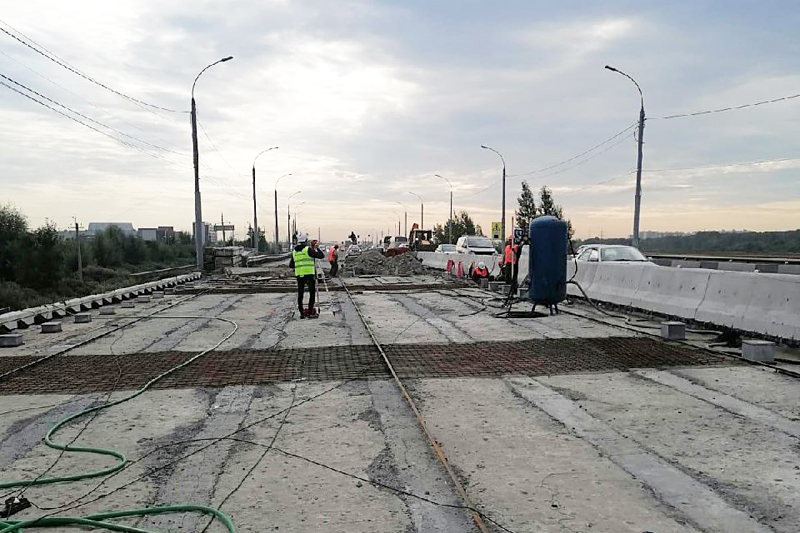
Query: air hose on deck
[{"x": 98, "y": 520}]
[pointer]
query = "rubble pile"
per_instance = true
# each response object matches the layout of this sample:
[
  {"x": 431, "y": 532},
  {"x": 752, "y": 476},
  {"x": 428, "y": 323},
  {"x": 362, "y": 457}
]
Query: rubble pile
[
  {"x": 404, "y": 265},
  {"x": 370, "y": 262},
  {"x": 373, "y": 262}
]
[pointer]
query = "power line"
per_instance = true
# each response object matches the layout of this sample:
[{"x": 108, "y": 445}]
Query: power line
[
  {"x": 90, "y": 119},
  {"x": 214, "y": 146},
  {"x": 598, "y": 145},
  {"x": 727, "y": 165},
  {"x": 724, "y": 109},
  {"x": 77, "y": 72}
]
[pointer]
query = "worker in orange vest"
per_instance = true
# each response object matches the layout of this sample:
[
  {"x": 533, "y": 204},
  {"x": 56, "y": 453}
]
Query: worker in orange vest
[
  {"x": 479, "y": 272},
  {"x": 508, "y": 260},
  {"x": 333, "y": 259}
]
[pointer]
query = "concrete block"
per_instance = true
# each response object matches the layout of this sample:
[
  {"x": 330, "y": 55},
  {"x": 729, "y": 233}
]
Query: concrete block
[
  {"x": 494, "y": 286},
  {"x": 143, "y": 299},
  {"x": 711, "y": 265},
  {"x": 169, "y": 291},
  {"x": 51, "y": 327},
  {"x": 83, "y": 318},
  {"x": 769, "y": 268},
  {"x": 127, "y": 304},
  {"x": 673, "y": 330},
  {"x": 733, "y": 266},
  {"x": 158, "y": 294},
  {"x": 484, "y": 283},
  {"x": 11, "y": 340},
  {"x": 107, "y": 310},
  {"x": 758, "y": 350},
  {"x": 789, "y": 269}
]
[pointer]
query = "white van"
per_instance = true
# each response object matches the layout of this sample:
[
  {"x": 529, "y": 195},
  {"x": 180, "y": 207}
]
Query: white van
[{"x": 475, "y": 244}]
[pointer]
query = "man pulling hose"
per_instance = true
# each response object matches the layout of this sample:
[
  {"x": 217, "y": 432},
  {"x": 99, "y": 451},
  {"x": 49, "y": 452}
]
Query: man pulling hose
[{"x": 302, "y": 261}]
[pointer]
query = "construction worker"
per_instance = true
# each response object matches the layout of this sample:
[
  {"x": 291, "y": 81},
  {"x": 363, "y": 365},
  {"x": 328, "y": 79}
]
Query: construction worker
[
  {"x": 333, "y": 259},
  {"x": 303, "y": 256},
  {"x": 479, "y": 272},
  {"x": 508, "y": 261}
]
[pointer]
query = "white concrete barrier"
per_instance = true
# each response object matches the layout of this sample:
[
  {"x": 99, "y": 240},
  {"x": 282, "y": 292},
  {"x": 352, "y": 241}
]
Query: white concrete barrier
[
  {"x": 617, "y": 283},
  {"x": 774, "y": 306},
  {"x": 671, "y": 291},
  {"x": 727, "y": 296}
]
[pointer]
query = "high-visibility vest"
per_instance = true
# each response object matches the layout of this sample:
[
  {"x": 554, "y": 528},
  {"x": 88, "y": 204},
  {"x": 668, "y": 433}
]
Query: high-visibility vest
[
  {"x": 332, "y": 255},
  {"x": 509, "y": 257},
  {"x": 482, "y": 272},
  {"x": 303, "y": 263}
]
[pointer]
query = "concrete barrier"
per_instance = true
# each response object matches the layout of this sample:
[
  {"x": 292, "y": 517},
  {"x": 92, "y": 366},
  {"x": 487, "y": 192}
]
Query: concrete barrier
[
  {"x": 670, "y": 291},
  {"x": 774, "y": 306},
  {"x": 728, "y": 295},
  {"x": 584, "y": 277},
  {"x": 617, "y": 283}
]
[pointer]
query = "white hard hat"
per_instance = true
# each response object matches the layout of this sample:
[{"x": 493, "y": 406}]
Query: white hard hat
[
  {"x": 302, "y": 236},
  {"x": 481, "y": 265}
]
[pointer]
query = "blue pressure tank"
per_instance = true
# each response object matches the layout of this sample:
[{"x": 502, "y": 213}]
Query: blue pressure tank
[{"x": 547, "y": 262}]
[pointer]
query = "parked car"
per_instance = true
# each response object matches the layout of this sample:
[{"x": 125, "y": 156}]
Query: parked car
[
  {"x": 354, "y": 250},
  {"x": 475, "y": 244},
  {"x": 604, "y": 253},
  {"x": 398, "y": 246},
  {"x": 446, "y": 249}
]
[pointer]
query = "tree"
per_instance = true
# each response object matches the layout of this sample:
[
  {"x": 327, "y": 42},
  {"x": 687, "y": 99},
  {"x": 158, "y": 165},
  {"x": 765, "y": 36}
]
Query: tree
[
  {"x": 13, "y": 229},
  {"x": 548, "y": 207},
  {"x": 527, "y": 207},
  {"x": 462, "y": 224}
]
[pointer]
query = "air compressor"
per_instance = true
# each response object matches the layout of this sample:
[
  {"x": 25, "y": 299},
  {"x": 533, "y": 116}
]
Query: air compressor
[{"x": 547, "y": 262}]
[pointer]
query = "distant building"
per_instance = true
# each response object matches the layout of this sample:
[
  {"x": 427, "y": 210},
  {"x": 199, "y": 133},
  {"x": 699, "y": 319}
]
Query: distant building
[
  {"x": 658, "y": 234},
  {"x": 209, "y": 235},
  {"x": 165, "y": 234},
  {"x": 98, "y": 227},
  {"x": 148, "y": 234}
]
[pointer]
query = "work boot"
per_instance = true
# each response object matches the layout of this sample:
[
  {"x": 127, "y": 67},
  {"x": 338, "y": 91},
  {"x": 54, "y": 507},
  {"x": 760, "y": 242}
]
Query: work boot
[{"x": 313, "y": 313}]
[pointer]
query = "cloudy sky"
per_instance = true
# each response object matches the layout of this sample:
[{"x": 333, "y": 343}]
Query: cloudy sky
[{"x": 368, "y": 100}]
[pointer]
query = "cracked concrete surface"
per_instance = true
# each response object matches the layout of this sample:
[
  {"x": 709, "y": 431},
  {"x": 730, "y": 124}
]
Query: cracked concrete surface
[{"x": 692, "y": 449}]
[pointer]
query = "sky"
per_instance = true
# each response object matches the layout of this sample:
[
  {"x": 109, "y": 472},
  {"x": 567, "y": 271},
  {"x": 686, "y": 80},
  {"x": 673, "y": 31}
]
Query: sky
[{"x": 369, "y": 100}]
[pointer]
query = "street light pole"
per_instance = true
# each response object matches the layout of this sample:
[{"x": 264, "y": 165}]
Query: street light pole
[
  {"x": 638, "y": 198},
  {"x": 450, "y": 236},
  {"x": 421, "y": 210},
  {"x": 405, "y": 211},
  {"x": 277, "y": 239},
  {"x": 255, "y": 213},
  {"x": 199, "y": 230},
  {"x": 503, "y": 212}
]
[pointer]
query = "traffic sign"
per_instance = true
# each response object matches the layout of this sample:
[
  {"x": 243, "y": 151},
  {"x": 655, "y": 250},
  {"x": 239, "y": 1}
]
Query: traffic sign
[
  {"x": 497, "y": 229},
  {"x": 223, "y": 227}
]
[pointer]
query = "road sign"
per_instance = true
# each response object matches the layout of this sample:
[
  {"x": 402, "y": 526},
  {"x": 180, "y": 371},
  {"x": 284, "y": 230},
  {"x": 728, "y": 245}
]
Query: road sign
[
  {"x": 223, "y": 227},
  {"x": 496, "y": 230}
]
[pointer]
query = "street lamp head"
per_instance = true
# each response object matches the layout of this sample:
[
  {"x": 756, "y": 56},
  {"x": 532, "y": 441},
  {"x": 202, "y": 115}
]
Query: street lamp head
[
  {"x": 609, "y": 67},
  {"x": 484, "y": 147},
  {"x": 226, "y": 59}
]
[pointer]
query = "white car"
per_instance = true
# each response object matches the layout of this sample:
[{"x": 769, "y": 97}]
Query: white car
[
  {"x": 446, "y": 249},
  {"x": 475, "y": 244},
  {"x": 605, "y": 253},
  {"x": 354, "y": 250}
]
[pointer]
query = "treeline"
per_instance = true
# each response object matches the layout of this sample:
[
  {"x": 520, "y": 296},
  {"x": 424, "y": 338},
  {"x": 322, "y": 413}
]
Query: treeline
[
  {"x": 775, "y": 243},
  {"x": 38, "y": 266}
]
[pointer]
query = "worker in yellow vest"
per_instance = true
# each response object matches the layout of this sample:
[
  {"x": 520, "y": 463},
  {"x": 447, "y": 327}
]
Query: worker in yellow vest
[{"x": 303, "y": 256}]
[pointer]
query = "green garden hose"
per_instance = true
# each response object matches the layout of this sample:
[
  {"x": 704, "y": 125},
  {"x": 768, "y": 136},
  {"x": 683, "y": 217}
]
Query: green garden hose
[{"x": 97, "y": 520}]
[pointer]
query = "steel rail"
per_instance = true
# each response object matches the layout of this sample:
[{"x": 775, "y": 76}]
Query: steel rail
[{"x": 476, "y": 517}]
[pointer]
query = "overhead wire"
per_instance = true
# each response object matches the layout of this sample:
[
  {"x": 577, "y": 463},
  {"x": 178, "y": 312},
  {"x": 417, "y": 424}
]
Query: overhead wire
[
  {"x": 725, "y": 109},
  {"x": 90, "y": 119},
  {"x": 50, "y": 56}
]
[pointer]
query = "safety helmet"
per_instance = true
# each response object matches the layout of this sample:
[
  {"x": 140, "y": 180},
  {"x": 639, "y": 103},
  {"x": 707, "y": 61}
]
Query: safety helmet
[
  {"x": 481, "y": 265},
  {"x": 302, "y": 236}
]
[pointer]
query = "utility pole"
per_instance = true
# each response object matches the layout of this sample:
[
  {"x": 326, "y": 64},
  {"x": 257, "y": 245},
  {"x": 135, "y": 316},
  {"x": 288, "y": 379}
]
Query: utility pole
[
  {"x": 78, "y": 244},
  {"x": 450, "y": 237},
  {"x": 222, "y": 223},
  {"x": 277, "y": 241},
  {"x": 255, "y": 212}
]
